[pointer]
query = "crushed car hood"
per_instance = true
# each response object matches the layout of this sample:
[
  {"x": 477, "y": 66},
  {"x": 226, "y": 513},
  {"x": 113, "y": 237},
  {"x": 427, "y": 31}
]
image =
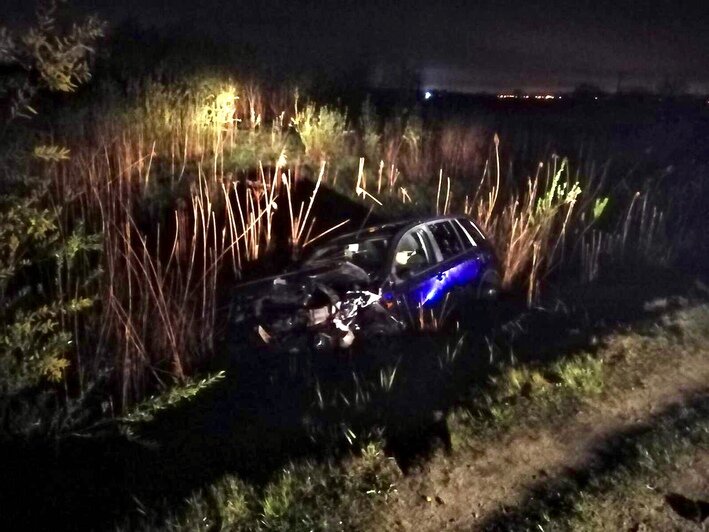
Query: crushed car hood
[
  {"x": 339, "y": 277},
  {"x": 336, "y": 299}
]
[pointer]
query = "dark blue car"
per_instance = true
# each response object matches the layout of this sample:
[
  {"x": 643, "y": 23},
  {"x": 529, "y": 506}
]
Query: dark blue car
[{"x": 378, "y": 280}]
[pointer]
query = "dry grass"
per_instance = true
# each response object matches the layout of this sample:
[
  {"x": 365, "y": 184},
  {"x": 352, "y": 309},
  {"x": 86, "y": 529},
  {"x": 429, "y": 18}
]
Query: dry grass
[
  {"x": 159, "y": 288},
  {"x": 159, "y": 182}
]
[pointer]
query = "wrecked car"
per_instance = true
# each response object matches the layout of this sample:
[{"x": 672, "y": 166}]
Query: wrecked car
[{"x": 378, "y": 280}]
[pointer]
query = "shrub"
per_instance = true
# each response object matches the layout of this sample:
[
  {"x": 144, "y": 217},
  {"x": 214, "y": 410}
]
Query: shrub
[
  {"x": 323, "y": 132},
  {"x": 44, "y": 287},
  {"x": 371, "y": 136},
  {"x": 45, "y": 56},
  {"x": 47, "y": 267}
]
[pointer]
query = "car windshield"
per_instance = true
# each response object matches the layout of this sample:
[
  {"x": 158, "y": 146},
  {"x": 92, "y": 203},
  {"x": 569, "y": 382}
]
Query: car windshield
[{"x": 367, "y": 254}]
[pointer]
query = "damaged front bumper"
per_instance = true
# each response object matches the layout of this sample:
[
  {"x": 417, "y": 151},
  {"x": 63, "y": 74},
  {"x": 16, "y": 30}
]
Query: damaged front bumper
[{"x": 298, "y": 316}]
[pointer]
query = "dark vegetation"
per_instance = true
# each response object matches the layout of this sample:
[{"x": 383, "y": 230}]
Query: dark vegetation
[{"x": 135, "y": 201}]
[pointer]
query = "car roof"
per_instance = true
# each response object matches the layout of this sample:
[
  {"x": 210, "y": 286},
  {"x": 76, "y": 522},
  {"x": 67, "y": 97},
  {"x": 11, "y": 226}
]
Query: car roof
[{"x": 388, "y": 230}]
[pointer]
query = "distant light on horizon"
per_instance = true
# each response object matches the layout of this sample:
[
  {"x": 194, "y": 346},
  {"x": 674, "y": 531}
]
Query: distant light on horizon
[
  {"x": 514, "y": 96},
  {"x": 427, "y": 95}
]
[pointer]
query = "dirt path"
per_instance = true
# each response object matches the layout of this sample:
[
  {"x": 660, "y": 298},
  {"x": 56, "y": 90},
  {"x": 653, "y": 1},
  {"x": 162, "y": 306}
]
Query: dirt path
[{"x": 456, "y": 492}]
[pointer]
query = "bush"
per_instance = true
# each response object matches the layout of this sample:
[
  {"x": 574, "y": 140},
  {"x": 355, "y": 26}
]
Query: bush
[
  {"x": 45, "y": 56},
  {"x": 44, "y": 287},
  {"x": 46, "y": 268},
  {"x": 323, "y": 132}
]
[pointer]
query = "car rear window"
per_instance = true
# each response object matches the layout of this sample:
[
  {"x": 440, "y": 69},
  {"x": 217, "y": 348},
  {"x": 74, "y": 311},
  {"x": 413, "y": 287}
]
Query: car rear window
[{"x": 447, "y": 239}]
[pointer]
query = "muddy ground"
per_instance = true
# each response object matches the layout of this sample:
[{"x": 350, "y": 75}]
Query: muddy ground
[{"x": 481, "y": 484}]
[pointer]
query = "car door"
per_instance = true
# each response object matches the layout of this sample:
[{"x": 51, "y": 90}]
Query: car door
[
  {"x": 461, "y": 264},
  {"x": 415, "y": 262},
  {"x": 485, "y": 282}
]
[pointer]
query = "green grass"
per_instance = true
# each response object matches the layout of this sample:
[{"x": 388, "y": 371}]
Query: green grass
[
  {"x": 304, "y": 496},
  {"x": 534, "y": 394},
  {"x": 582, "y": 375},
  {"x": 225, "y": 505},
  {"x": 527, "y": 395}
]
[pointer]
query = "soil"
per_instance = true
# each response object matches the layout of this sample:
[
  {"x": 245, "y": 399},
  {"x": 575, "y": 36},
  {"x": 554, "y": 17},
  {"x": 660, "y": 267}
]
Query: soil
[{"x": 460, "y": 491}]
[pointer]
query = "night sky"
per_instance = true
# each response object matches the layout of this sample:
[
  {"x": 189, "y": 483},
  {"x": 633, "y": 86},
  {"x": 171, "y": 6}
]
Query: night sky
[{"x": 467, "y": 46}]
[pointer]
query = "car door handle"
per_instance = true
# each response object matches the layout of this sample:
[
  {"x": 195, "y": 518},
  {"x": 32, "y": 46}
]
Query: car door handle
[{"x": 439, "y": 276}]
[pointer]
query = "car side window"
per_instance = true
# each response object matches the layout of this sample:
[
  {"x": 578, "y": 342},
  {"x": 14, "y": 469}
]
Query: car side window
[
  {"x": 446, "y": 238},
  {"x": 472, "y": 230},
  {"x": 465, "y": 236},
  {"x": 413, "y": 254}
]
